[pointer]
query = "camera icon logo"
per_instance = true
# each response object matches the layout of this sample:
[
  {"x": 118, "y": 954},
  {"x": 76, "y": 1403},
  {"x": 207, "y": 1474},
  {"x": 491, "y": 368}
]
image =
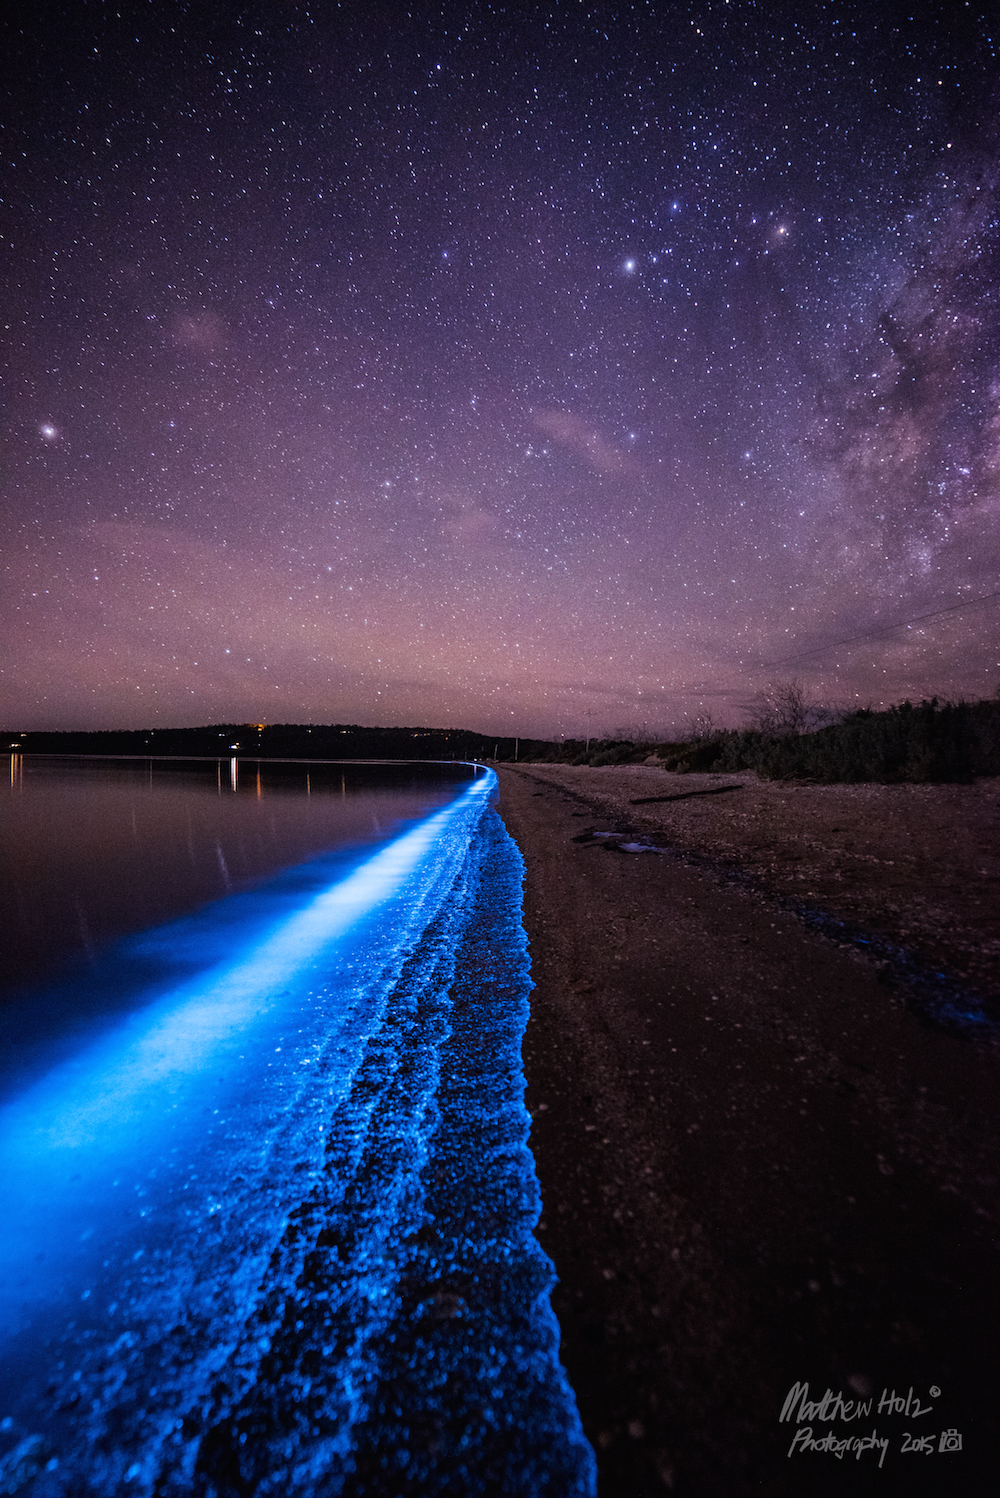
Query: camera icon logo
[{"x": 950, "y": 1441}]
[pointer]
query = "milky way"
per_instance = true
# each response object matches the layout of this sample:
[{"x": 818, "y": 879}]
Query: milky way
[{"x": 541, "y": 368}]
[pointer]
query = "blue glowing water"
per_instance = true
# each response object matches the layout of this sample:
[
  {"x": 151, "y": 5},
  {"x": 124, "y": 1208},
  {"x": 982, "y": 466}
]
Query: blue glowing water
[{"x": 271, "y": 1232}]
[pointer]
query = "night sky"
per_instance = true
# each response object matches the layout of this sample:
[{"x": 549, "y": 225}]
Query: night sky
[{"x": 542, "y": 368}]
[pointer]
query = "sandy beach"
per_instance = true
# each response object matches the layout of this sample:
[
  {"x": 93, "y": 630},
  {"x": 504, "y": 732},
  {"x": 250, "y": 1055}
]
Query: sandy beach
[{"x": 762, "y": 1163}]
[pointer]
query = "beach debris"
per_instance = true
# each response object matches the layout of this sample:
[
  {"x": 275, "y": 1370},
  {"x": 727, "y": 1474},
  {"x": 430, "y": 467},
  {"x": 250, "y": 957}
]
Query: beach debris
[
  {"x": 626, "y": 841},
  {"x": 709, "y": 790}
]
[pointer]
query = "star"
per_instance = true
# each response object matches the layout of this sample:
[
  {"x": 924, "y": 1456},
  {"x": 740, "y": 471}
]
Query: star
[{"x": 358, "y": 370}]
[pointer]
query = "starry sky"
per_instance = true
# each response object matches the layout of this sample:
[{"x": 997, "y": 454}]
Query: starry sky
[{"x": 555, "y": 368}]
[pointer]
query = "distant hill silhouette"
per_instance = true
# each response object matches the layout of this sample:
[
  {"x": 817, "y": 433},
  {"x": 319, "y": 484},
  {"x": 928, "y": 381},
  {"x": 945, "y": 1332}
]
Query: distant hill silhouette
[
  {"x": 278, "y": 741},
  {"x": 926, "y": 741}
]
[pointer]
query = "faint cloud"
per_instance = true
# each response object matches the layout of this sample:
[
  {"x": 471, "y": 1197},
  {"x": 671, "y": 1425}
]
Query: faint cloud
[
  {"x": 204, "y": 333},
  {"x": 582, "y": 439},
  {"x": 466, "y": 522}
]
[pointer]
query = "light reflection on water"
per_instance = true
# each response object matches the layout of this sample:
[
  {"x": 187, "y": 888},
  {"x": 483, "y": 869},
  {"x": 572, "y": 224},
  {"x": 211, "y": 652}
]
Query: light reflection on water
[
  {"x": 270, "y": 1231},
  {"x": 93, "y": 849}
]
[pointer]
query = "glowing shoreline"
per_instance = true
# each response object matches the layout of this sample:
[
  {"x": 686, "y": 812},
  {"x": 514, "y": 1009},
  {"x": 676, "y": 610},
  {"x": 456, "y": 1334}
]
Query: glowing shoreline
[
  {"x": 177, "y": 1035},
  {"x": 171, "y": 1169}
]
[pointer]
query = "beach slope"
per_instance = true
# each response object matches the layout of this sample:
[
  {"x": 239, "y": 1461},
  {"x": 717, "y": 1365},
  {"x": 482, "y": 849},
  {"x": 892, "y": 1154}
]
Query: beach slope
[{"x": 760, "y": 1166}]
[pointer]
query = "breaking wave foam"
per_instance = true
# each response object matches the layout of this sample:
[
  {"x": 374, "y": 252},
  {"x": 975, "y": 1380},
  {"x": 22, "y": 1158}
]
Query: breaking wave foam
[{"x": 285, "y": 1214}]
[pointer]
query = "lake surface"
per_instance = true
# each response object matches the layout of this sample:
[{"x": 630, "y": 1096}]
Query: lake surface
[
  {"x": 93, "y": 849},
  {"x": 267, "y": 1199}
]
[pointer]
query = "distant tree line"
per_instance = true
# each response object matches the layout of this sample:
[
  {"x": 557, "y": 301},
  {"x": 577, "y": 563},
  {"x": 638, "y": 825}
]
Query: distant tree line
[
  {"x": 786, "y": 738},
  {"x": 273, "y": 741}
]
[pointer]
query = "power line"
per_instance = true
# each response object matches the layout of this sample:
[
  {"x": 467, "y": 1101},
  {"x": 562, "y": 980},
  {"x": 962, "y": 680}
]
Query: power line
[{"x": 883, "y": 629}]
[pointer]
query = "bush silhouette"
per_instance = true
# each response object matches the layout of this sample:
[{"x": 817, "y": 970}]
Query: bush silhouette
[{"x": 916, "y": 742}]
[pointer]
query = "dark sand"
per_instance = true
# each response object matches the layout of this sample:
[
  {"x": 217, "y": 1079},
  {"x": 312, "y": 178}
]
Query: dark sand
[{"x": 759, "y": 1164}]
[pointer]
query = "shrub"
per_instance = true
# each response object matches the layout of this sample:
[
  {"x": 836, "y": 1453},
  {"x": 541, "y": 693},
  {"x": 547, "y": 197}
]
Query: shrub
[
  {"x": 917, "y": 742},
  {"x": 929, "y": 741}
]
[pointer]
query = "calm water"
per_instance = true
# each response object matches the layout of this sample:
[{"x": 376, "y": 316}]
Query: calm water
[
  {"x": 92, "y": 850},
  {"x": 264, "y": 1178}
]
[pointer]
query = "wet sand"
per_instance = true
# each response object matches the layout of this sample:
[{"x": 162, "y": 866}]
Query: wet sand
[{"x": 759, "y": 1165}]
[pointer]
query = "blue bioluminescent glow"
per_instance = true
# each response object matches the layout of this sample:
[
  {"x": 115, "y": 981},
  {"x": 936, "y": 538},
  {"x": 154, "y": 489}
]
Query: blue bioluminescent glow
[
  {"x": 274, "y": 1232},
  {"x": 105, "y": 1092}
]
